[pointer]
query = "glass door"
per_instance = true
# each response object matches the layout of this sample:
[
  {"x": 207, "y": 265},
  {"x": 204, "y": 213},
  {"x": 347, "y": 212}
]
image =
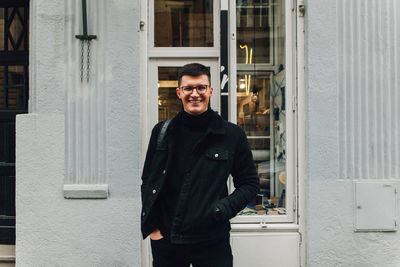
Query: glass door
[{"x": 179, "y": 32}]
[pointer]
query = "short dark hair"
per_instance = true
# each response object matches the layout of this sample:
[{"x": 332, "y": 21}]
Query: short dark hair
[{"x": 193, "y": 69}]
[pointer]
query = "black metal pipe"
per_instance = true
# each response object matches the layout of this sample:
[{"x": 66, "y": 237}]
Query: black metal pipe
[
  {"x": 84, "y": 18},
  {"x": 85, "y": 35},
  {"x": 225, "y": 64}
]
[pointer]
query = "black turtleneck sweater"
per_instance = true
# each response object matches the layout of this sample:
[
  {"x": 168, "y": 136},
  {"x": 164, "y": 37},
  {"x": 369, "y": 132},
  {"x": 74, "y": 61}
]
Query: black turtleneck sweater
[{"x": 190, "y": 130}]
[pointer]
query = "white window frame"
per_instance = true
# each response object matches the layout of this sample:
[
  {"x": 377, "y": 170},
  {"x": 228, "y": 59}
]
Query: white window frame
[
  {"x": 291, "y": 121},
  {"x": 151, "y": 54},
  {"x": 185, "y": 52}
]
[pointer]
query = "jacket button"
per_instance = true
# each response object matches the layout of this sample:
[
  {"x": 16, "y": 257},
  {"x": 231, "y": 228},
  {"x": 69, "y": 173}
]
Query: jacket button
[
  {"x": 144, "y": 213},
  {"x": 164, "y": 172},
  {"x": 154, "y": 191},
  {"x": 216, "y": 155}
]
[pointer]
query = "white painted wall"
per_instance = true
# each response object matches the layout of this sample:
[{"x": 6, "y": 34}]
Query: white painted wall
[
  {"x": 51, "y": 230},
  {"x": 352, "y": 50}
]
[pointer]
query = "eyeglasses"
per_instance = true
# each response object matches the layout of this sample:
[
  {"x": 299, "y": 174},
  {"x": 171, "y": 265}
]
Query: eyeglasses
[{"x": 201, "y": 89}]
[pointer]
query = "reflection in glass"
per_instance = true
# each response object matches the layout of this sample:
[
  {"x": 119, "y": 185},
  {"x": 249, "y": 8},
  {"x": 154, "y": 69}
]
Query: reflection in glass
[
  {"x": 183, "y": 23},
  {"x": 261, "y": 110},
  {"x": 12, "y": 87},
  {"x": 14, "y": 28},
  {"x": 253, "y": 28}
]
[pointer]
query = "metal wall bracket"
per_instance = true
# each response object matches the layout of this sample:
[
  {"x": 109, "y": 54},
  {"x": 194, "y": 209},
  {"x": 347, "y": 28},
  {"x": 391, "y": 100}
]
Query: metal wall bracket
[
  {"x": 263, "y": 223},
  {"x": 85, "y": 37},
  {"x": 302, "y": 10},
  {"x": 141, "y": 25}
]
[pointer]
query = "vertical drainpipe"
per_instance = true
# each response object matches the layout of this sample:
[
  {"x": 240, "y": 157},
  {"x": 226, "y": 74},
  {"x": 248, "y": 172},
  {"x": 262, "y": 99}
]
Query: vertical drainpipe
[
  {"x": 301, "y": 131},
  {"x": 224, "y": 67}
]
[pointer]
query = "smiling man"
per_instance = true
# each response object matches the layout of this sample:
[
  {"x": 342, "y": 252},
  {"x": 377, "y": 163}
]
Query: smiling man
[
  {"x": 186, "y": 205},
  {"x": 195, "y": 93}
]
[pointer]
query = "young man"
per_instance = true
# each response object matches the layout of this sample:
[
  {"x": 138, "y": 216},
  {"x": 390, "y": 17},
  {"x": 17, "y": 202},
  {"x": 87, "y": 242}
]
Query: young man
[{"x": 186, "y": 205}]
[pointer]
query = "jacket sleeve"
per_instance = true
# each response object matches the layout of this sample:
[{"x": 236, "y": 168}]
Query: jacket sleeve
[
  {"x": 245, "y": 180},
  {"x": 149, "y": 156}
]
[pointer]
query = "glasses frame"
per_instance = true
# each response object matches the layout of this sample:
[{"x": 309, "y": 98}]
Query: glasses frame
[{"x": 189, "y": 92}]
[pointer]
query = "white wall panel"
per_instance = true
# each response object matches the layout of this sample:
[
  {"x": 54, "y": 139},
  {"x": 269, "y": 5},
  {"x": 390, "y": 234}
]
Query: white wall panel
[
  {"x": 265, "y": 249},
  {"x": 352, "y": 126},
  {"x": 368, "y": 84},
  {"x": 85, "y": 100}
]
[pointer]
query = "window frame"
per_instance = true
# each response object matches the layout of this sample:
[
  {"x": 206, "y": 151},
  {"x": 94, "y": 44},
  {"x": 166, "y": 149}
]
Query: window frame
[{"x": 185, "y": 52}]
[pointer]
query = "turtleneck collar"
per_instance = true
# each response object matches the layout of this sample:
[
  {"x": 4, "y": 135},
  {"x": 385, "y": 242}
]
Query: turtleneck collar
[{"x": 197, "y": 121}]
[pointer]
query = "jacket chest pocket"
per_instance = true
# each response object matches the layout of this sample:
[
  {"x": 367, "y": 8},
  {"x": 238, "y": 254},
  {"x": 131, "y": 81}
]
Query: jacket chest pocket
[
  {"x": 216, "y": 167},
  {"x": 217, "y": 154}
]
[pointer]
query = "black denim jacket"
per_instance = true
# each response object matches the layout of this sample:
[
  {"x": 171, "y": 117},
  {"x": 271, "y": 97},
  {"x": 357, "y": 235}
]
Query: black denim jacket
[{"x": 224, "y": 150}]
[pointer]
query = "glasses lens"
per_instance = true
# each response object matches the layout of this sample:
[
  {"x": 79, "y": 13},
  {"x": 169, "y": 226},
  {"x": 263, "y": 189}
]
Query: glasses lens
[
  {"x": 187, "y": 89},
  {"x": 201, "y": 89}
]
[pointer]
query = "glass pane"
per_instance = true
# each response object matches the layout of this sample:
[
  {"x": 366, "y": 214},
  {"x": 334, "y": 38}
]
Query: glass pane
[
  {"x": 16, "y": 29},
  {"x": 2, "y": 23},
  {"x": 168, "y": 102},
  {"x": 15, "y": 87},
  {"x": 261, "y": 110},
  {"x": 254, "y": 22},
  {"x": 183, "y": 23}
]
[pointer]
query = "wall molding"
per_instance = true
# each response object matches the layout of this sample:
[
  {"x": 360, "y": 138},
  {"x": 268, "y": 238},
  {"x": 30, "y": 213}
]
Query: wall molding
[
  {"x": 85, "y": 191},
  {"x": 85, "y": 104}
]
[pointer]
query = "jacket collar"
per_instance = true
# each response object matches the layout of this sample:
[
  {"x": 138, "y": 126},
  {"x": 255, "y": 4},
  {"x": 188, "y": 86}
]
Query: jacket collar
[{"x": 216, "y": 125}]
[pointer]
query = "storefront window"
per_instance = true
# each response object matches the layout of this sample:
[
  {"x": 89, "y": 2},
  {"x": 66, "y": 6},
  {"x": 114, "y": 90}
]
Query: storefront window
[
  {"x": 183, "y": 23},
  {"x": 261, "y": 109}
]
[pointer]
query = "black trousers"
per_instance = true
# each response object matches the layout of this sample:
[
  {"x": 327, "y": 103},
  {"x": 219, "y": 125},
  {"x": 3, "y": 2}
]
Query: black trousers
[{"x": 215, "y": 254}]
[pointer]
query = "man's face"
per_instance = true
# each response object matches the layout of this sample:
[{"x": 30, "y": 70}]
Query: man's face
[{"x": 194, "y": 103}]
